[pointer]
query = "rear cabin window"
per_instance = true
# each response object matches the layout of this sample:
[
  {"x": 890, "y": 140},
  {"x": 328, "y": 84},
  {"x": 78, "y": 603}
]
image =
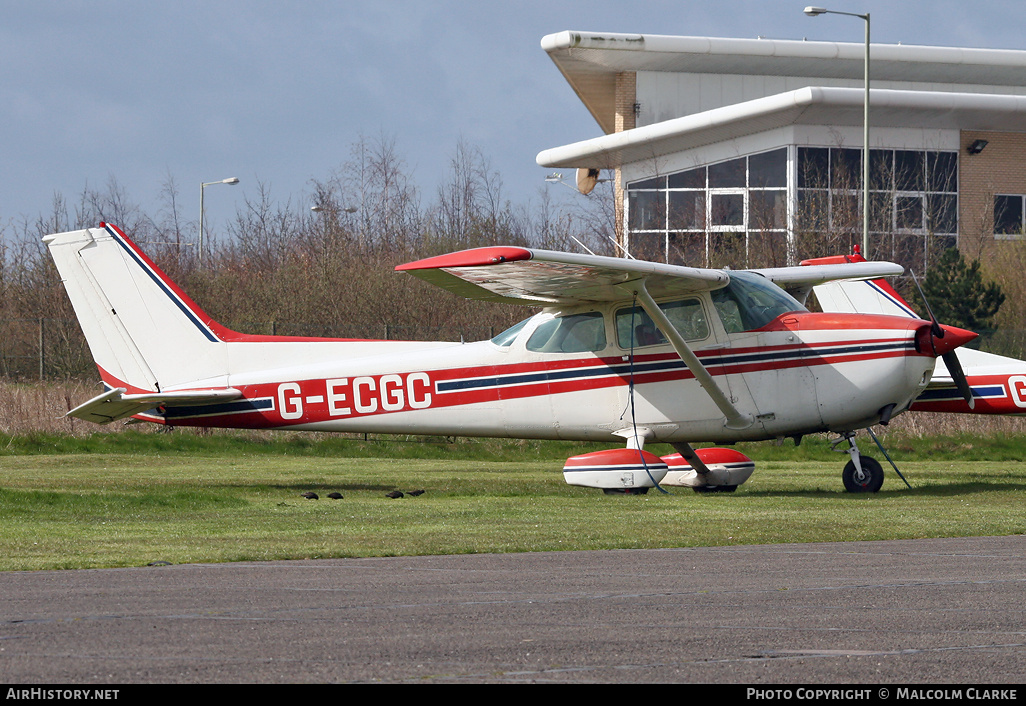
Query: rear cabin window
[
  {"x": 576, "y": 333},
  {"x": 686, "y": 315}
]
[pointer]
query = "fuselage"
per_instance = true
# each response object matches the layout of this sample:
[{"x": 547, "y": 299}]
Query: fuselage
[{"x": 580, "y": 374}]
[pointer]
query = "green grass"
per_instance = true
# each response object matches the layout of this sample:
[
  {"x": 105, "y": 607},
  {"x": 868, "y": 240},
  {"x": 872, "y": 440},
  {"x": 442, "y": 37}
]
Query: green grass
[{"x": 67, "y": 503}]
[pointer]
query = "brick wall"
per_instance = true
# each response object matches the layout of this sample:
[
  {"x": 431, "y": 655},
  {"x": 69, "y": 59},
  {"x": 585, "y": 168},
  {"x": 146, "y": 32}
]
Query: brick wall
[{"x": 999, "y": 169}]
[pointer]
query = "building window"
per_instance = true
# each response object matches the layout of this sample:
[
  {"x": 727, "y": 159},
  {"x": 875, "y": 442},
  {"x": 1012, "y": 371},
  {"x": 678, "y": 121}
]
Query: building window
[
  {"x": 730, "y": 213},
  {"x": 1009, "y": 215},
  {"x": 913, "y": 206}
]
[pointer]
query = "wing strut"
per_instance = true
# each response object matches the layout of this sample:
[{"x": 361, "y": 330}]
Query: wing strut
[{"x": 735, "y": 418}]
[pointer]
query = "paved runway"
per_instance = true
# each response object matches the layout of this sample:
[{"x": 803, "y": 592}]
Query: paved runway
[{"x": 899, "y": 612}]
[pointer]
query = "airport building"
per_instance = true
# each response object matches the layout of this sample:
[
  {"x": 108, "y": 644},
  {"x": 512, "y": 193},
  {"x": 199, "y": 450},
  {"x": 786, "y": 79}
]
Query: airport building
[{"x": 748, "y": 152}]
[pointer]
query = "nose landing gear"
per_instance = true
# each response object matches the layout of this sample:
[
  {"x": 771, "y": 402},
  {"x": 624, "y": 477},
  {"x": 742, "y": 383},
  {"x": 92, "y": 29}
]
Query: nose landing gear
[{"x": 862, "y": 474}]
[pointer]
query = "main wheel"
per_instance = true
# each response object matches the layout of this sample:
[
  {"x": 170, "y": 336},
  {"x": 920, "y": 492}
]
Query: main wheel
[
  {"x": 871, "y": 479},
  {"x": 714, "y": 488},
  {"x": 625, "y": 491}
]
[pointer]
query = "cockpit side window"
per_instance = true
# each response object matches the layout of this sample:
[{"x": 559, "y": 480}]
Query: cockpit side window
[
  {"x": 686, "y": 315},
  {"x": 750, "y": 301},
  {"x": 575, "y": 333}
]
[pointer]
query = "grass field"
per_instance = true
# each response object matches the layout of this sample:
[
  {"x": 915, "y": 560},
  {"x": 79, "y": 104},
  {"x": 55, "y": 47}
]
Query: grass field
[{"x": 131, "y": 499}]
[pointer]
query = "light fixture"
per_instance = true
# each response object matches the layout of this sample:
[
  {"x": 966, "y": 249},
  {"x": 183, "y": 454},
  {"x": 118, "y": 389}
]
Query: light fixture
[
  {"x": 204, "y": 185},
  {"x": 976, "y": 146},
  {"x": 813, "y": 11}
]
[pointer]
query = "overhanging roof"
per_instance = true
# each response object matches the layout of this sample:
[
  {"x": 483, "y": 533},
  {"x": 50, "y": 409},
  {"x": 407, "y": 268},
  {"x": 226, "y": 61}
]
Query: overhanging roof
[
  {"x": 590, "y": 61},
  {"x": 808, "y": 106}
]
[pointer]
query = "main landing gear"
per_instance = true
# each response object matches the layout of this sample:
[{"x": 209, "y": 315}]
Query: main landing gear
[{"x": 862, "y": 474}]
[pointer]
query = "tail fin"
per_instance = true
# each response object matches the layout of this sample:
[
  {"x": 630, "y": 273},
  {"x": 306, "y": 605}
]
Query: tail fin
[{"x": 144, "y": 333}]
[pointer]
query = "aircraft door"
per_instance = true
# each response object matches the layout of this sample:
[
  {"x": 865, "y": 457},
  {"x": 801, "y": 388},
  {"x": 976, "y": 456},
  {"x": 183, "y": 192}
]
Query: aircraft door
[
  {"x": 667, "y": 398},
  {"x": 765, "y": 367}
]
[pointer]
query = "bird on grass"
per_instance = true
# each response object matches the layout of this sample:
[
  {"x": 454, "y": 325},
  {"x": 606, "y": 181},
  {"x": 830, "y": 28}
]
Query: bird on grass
[
  {"x": 335, "y": 496},
  {"x": 309, "y": 495},
  {"x": 394, "y": 494},
  {"x": 415, "y": 493}
]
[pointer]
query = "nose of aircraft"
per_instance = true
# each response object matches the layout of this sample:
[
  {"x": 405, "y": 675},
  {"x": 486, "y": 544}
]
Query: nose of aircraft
[{"x": 929, "y": 341}]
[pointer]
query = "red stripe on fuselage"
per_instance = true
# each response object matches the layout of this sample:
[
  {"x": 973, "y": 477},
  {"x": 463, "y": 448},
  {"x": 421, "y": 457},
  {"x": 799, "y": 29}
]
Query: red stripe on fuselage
[{"x": 318, "y": 400}]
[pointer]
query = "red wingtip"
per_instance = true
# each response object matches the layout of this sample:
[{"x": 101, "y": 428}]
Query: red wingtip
[{"x": 476, "y": 257}]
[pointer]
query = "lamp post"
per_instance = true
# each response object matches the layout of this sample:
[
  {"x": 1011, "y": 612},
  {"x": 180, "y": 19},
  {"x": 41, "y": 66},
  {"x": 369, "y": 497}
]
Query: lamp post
[
  {"x": 814, "y": 12},
  {"x": 204, "y": 185}
]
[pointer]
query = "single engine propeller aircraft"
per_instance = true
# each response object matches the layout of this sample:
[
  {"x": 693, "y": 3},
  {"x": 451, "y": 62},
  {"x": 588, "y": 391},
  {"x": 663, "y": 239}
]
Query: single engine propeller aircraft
[
  {"x": 995, "y": 384},
  {"x": 622, "y": 349}
]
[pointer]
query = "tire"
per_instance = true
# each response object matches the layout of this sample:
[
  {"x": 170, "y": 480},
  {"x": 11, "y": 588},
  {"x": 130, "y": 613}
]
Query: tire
[
  {"x": 625, "y": 491},
  {"x": 715, "y": 488},
  {"x": 873, "y": 472}
]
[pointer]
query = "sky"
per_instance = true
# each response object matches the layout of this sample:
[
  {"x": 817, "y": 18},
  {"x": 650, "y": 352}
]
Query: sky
[{"x": 276, "y": 92}]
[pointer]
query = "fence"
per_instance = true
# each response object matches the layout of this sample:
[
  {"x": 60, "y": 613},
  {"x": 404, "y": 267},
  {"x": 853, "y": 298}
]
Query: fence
[{"x": 54, "y": 349}]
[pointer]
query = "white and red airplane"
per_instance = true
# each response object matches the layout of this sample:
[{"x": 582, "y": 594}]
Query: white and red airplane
[
  {"x": 622, "y": 350},
  {"x": 994, "y": 384}
]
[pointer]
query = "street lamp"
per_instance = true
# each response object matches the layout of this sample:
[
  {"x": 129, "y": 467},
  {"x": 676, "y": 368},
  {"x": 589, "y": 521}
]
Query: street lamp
[
  {"x": 814, "y": 12},
  {"x": 204, "y": 185}
]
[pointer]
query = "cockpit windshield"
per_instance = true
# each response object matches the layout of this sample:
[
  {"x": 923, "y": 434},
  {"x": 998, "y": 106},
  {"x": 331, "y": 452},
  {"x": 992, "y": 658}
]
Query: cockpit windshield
[
  {"x": 507, "y": 337},
  {"x": 751, "y": 301}
]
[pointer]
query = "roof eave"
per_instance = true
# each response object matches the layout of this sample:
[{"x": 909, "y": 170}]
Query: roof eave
[{"x": 810, "y": 105}]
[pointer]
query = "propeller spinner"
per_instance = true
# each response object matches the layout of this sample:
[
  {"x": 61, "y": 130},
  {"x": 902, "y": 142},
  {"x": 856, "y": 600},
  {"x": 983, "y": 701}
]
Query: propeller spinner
[{"x": 941, "y": 341}]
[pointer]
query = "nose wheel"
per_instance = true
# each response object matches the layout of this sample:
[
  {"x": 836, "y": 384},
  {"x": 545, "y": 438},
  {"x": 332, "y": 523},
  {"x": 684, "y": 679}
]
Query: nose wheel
[
  {"x": 862, "y": 474},
  {"x": 867, "y": 479}
]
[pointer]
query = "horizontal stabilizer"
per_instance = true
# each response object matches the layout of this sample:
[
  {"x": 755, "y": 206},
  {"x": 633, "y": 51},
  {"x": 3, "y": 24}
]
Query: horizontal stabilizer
[{"x": 115, "y": 404}]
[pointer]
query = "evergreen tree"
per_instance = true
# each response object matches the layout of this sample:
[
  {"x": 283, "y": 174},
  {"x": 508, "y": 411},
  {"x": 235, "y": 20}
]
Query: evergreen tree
[{"x": 958, "y": 295}]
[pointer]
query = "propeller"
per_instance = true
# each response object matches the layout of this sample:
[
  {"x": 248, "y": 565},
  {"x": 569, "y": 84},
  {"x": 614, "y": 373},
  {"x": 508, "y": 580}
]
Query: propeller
[{"x": 942, "y": 342}]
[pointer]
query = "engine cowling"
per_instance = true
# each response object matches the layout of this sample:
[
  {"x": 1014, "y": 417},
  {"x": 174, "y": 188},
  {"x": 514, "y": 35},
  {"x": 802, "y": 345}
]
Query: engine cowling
[
  {"x": 621, "y": 470},
  {"x": 728, "y": 469}
]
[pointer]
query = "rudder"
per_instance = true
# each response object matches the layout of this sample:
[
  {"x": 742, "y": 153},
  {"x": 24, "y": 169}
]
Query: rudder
[{"x": 144, "y": 333}]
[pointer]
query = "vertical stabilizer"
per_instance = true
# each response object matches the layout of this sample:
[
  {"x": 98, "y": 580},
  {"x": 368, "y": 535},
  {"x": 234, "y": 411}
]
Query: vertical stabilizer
[{"x": 144, "y": 333}]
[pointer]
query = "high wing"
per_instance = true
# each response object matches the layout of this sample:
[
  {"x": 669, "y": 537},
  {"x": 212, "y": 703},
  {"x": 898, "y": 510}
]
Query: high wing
[
  {"x": 544, "y": 277},
  {"x": 547, "y": 278},
  {"x": 117, "y": 404},
  {"x": 798, "y": 281}
]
